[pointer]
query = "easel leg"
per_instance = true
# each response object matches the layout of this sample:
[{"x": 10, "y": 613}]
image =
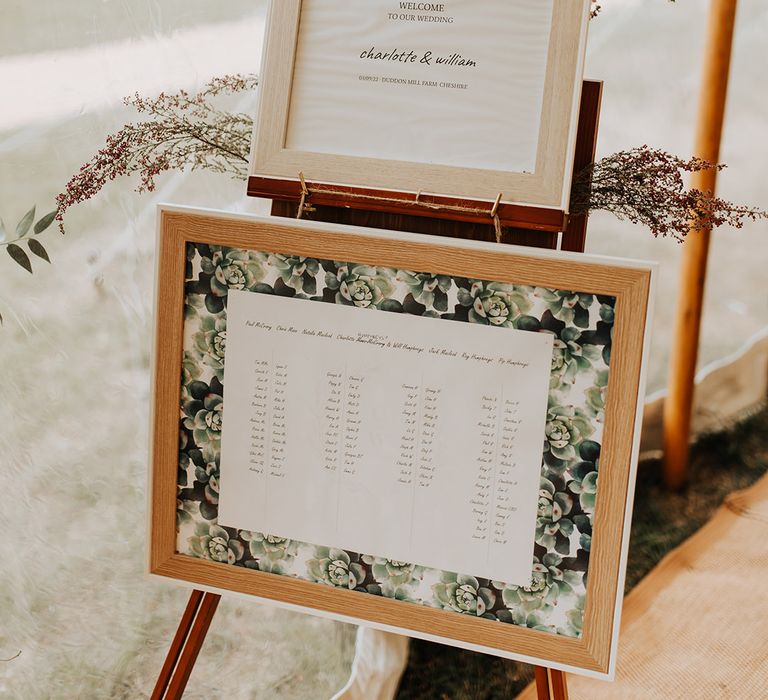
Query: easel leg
[
  {"x": 550, "y": 684},
  {"x": 186, "y": 646}
]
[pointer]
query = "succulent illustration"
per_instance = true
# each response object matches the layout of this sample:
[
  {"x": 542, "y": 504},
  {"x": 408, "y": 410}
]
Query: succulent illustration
[
  {"x": 601, "y": 336},
  {"x": 597, "y": 394},
  {"x": 226, "y": 269},
  {"x": 584, "y": 473},
  {"x": 362, "y": 286},
  {"x": 298, "y": 273},
  {"x": 203, "y": 412},
  {"x": 236, "y": 270},
  {"x": 605, "y": 326},
  {"x": 209, "y": 475},
  {"x": 272, "y": 553},
  {"x": 553, "y": 526},
  {"x": 190, "y": 369},
  {"x": 566, "y": 427},
  {"x": 570, "y": 357},
  {"x": 211, "y": 342},
  {"x": 572, "y": 308},
  {"x": 213, "y": 542},
  {"x": 185, "y": 512},
  {"x": 394, "y": 578},
  {"x": 532, "y": 605},
  {"x": 588, "y": 491},
  {"x": 574, "y": 624},
  {"x": 494, "y": 303},
  {"x": 332, "y": 567},
  {"x": 462, "y": 594},
  {"x": 426, "y": 290}
]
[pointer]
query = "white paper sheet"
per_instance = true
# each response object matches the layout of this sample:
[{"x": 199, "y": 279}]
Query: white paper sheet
[
  {"x": 409, "y": 438},
  {"x": 461, "y": 84}
]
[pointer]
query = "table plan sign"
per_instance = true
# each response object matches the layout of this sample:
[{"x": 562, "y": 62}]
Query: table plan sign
[
  {"x": 434, "y": 437},
  {"x": 467, "y": 99},
  {"x": 346, "y": 433}
]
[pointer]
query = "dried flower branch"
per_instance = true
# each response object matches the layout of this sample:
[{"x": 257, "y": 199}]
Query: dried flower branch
[
  {"x": 183, "y": 131},
  {"x": 643, "y": 185},
  {"x": 646, "y": 186}
]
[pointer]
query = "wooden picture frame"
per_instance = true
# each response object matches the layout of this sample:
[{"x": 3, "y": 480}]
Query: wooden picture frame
[
  {"x": 337, "y": 177},
  {"x": 629, "y": 283}
]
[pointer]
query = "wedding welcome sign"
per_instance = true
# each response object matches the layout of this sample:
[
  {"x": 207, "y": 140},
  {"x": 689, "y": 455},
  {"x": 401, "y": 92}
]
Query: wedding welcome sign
[
  {"x": 461, "y": 98},
  {"x": 436, "y": 438}
]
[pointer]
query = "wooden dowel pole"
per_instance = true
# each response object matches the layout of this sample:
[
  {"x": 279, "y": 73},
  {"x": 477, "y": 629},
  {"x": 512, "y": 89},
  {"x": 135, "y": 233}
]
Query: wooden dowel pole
[
  {"x": 177, "y": 645},
  {"x": 678, "y": 407},
  {"x": 542, "y": 683},
  {"x": 194, "y": 643},
  {"x": 558, "y": 684}
]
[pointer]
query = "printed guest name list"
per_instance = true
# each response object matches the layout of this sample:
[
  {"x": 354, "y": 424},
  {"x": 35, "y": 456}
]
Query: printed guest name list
[{"x": 408, "y": 438}]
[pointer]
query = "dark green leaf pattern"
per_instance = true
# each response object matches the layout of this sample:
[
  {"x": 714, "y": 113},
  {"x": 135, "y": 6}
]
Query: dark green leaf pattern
[
  {"x": 37, "y": 248},
  {"x": 19, "y": 256}
]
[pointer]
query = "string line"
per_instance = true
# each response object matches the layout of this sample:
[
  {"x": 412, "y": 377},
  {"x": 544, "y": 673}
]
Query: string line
[{"x": 306, "y": 192}]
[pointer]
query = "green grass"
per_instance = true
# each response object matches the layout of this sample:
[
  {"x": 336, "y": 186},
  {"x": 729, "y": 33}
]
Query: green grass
[{"x": 720, "y": 464}]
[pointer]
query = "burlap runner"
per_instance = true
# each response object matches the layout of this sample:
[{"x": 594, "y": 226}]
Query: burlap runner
[{"x": 697, "y": 625}]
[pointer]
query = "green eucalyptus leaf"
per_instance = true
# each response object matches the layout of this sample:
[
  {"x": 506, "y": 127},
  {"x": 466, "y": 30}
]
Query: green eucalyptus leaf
[
  {"x": 23, "y": 226},
  {"x": 19, "y": 256},
  {"x": 45, "y": 222},
  {"x": 37, "y": 248}
]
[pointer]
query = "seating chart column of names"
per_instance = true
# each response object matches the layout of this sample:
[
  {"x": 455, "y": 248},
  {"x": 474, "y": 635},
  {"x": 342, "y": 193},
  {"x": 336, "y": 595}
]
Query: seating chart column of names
[{"x": 397, "y": 436}]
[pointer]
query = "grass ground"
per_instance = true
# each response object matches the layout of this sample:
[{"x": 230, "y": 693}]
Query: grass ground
[{"x": 720, "y": 464}]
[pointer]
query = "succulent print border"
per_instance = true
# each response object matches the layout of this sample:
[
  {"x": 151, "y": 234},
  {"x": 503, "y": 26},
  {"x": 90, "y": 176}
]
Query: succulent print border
[{"x": 582, "y": 324}]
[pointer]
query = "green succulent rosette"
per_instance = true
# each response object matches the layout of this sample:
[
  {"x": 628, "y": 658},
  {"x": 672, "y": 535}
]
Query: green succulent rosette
[
  {"x": 362, "y": 286},
  {"x": 333, "y": 567},
  {"x": 426, "y": 290},
  {"x": 574, "y": 625},
  {"x": 462, "y": 594},
  {"x": 394, "y": 579},
  {"x": 208, "y": 475},
  {"x": 216, "y": 271},
  {"x": 211, "y": 342},
  {"x": 274, "y": 554},
  {"x": 565, "y": 429},
  {"x": 553, "y": 526},
  {"x": 203, "y": 409},
  {"x": 570, "y": 358},
  {"x": 572, "y": 308},
  {"x": 236, "y": 270},
  {"x": 494, "y": 303},
  {"x": 298, "y": 273},
  {"x": 531, "y": 605},
  {"x": 215, "y": 544},
  {"x": 584, "y": 473}
]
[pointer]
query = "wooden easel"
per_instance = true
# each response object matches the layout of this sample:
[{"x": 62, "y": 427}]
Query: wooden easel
[{"x": 197, "y": 617}]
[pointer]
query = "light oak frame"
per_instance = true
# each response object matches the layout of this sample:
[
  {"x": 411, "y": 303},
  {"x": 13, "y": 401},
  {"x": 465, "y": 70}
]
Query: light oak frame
[
  {"x": 548, "y": 186},
  {"x": 630, "y": 283}
]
